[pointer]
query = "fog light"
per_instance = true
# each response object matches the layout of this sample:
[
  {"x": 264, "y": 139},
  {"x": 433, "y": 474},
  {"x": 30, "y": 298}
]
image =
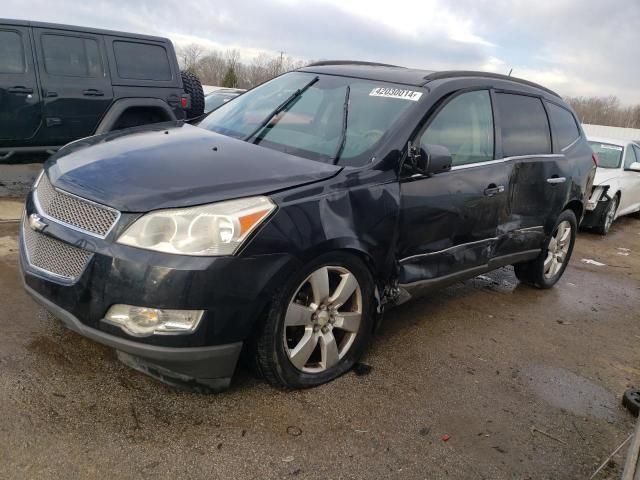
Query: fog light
[{"x": 143, "y": 321}]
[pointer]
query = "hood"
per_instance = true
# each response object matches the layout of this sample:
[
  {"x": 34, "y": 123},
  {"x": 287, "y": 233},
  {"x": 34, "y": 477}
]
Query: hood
[
  {"x": 604, "y": 175},
  {"x": 175, "y": 165}
]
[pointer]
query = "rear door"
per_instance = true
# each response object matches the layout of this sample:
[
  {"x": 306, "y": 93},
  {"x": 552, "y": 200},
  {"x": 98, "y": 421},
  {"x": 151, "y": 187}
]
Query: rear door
[
  {"x": 20, "y": 113},
  {"x": 538, "y": 183},
  {"x": 449, "y": 221},
  {"x": 75, "y": 83}
]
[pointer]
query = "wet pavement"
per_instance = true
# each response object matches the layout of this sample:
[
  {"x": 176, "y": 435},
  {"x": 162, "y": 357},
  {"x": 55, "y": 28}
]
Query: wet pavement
[{"x": 522, "y": 383}]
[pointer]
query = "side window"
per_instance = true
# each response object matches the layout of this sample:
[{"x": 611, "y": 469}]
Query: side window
[
  {"x": 11, "y": 52},
  {"x": 637, "y": 150},
  {"x": 465, "y": 127},
  {"x": 71, "y": 56},
  {"x": 525, "y": 129},
  {"x": 141, "y": 61},
  {"x": 629, "y": 156},
  {"x": 563, "y": 125}
]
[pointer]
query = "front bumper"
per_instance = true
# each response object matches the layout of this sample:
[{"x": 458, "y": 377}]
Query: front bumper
[{"x": 202, "y": 368}]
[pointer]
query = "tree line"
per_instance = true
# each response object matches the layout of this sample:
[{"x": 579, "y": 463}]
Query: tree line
[
  {"x": 227, "y": 69},
  {"x": 605, "y": 111}
]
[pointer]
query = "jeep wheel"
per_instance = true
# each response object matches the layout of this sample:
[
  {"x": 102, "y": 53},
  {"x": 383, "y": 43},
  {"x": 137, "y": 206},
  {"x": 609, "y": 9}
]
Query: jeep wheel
[
  {"x": 191, "y": 85},
  {"x": 319, "y": 324}
]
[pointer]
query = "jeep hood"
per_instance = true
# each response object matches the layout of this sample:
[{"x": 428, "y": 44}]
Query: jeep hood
[
  {"x": 605, "y": 175},
  {"x": 175, "y": 165}
]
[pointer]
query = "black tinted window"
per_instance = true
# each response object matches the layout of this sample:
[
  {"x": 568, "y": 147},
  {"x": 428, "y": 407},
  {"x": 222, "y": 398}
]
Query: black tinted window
[
  {"x": 141, "y": 61},
  {"x": 465, "y": 127},
  {"x": 71, "y": 56},
  {"x": 11, "y": 52},
  {"x": 563, "y": 125},
  {"x": 525, "y": 129}
]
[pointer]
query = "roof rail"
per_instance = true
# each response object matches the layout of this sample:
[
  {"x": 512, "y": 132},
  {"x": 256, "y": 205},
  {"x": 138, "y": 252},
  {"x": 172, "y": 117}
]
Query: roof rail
[
  {"x": 468, "y": 73},
  {"x": 324, "y": 63}
]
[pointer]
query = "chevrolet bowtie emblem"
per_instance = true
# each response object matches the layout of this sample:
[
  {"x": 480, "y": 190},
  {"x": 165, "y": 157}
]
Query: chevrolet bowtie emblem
[{"x": 36, "y": 223}]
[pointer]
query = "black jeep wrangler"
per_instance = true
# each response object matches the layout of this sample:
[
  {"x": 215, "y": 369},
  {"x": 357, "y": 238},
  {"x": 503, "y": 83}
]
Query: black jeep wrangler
[{"x": 59, "y": 83}]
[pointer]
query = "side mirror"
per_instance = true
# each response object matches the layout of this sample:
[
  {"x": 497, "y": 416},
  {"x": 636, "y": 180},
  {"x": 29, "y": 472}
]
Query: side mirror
[
  {"x": 635, "y": 167},
  {"x": 432, "y": 159}
]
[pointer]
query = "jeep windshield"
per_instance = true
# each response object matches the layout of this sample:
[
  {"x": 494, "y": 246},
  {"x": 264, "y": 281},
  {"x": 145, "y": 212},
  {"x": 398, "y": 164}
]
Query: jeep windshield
[
  {"x": 610, "y": 155},
  {"x": 321, "y": 117}
]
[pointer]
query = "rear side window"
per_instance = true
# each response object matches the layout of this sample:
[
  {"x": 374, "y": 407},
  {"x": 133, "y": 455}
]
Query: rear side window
[
  {"x": 637, "y": 150},
  {"x": 563, "y": 125},
  {"x": 11, "y": 52},
  {"x": 465, "y": 127},
  {"x": 71, "y": 56},
  {"x": 525, "y": 128},
  {"x": 141, "y": 61},
  {"x": 629, "y": 156}
]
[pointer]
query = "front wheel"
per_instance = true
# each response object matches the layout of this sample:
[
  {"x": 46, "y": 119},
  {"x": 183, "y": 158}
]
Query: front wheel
[
  {"x": 609, "y": 216},
  {"x": 546, "y": 270},
  {"x": 319, "y": 323}
]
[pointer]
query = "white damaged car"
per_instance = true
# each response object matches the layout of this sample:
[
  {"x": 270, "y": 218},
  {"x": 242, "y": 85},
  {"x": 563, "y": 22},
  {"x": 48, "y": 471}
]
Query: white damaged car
[{"x": 616, "y": 187}]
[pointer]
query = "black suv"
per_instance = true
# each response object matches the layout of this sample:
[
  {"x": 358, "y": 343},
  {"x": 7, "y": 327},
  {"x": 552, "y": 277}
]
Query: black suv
[
  {"x": 291, "y": 217},
  {"x": 59, "y": 83}
]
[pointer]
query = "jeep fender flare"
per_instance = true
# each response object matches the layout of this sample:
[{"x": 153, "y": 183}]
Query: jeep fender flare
[{"x": 120, "y": 106}]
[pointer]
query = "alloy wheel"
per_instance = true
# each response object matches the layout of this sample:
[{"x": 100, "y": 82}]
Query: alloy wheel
[
  {"x": 322, "y": 319},
  {"x": 558, "y": 249},
  {"x": 611, "y": 214}
]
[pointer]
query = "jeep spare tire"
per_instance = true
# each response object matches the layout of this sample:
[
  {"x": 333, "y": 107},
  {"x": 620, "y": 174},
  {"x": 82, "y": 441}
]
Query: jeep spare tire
[{"x": 193, "y": 87}]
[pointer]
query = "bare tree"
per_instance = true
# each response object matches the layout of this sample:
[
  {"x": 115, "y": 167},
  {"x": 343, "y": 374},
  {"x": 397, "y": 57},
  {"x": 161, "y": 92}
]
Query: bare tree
[
  {"x": 605, "y": 111},
  {"x": 189, "y": 56}
]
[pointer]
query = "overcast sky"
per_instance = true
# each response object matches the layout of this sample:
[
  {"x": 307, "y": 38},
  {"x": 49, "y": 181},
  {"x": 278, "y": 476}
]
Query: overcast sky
[{"x": 578, "y": 47}]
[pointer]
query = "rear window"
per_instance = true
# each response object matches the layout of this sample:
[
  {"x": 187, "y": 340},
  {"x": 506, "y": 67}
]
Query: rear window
[
  {"x": 71, "y": 56},
  {"x": 141, "y": 61},
  {"x": 11, "y": 52},
  {"x": 610, "y": 155},
  {"x": 563, "y": 125},
  {"x": 525, "y": 129}
]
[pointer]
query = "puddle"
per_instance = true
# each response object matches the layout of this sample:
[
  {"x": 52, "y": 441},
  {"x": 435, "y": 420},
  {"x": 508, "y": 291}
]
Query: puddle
[{"x": 564, "y": 389}]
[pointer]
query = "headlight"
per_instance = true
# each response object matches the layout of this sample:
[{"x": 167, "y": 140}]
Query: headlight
[{"x": 207, "y": 230}]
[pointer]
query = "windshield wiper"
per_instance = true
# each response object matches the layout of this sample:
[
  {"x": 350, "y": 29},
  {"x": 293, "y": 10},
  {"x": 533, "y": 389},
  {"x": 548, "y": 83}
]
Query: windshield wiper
[
  {"x": 280, "y": 108},
  {"x": 345, "y": 117}
]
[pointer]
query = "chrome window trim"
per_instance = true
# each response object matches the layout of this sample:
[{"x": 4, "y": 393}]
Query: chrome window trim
[
  {"x": 506, "y": 159},
  {"x": 65, "y": 224},
  {"x": 571, "y": 144}
]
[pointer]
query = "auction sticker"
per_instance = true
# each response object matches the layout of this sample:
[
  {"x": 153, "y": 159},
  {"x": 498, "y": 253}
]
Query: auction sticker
[
  {"x": 611, "y": 147},
  {"x": 396, "y": 93}
]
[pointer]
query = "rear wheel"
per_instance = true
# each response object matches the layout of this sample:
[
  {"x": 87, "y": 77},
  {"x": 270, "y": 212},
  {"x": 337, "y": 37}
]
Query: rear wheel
[
  {"x": 609, "y": 216},
  {"x": 546, "y": 270},
  {"x": 318, "y": 325},
  {"x": 191, "y": 85}
]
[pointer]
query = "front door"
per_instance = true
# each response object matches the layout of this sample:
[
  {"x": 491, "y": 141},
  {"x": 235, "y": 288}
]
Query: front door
[
  {"x": 20, "y": 113},
  {"x": 76, "y": 85},
  {"x": 449, "y": 221},
  {"x": 630, "y": 182}
]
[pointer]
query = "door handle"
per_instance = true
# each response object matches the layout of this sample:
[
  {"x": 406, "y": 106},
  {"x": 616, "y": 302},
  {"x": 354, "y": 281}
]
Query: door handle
[
  {"x": 92, "y": 92},
  {"x": 20, "y": 90},
  {"x": 556, "y": 179},
  {"x": 493, "y": 190}
]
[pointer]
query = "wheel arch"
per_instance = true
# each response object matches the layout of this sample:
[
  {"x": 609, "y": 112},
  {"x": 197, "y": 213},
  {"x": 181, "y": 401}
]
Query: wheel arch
[{"x": 120, "y": 107}]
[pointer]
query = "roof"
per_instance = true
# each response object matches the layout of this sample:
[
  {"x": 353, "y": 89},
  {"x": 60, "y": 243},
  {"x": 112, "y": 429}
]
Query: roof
[
  {"x": 613, "y": 141},
  {"x": 408, "y": 76},
  {"x": 59, "y": 26}
]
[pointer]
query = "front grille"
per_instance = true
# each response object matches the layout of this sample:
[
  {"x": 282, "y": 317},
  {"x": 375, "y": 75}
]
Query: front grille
[
  {"x": 53, "y": 256},
  {"x": 85, "y": 215}
]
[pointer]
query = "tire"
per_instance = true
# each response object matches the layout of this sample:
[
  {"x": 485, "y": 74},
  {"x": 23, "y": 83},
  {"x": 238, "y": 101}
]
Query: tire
[
  {"x": 608, "y": 216},
  {"x": 191, "y": 85},
  {"x": 631, "y": 401},
  {"x": 538, "y": 273},
  {"x": 279, "y": 354}
]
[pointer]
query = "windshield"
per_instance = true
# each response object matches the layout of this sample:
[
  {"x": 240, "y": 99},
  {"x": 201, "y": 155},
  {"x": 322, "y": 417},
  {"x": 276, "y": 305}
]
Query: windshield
[
  {"x": 214, "y": 100},
  {"x": 321, "y": 117},
  {"x": 610, "y": 155}
]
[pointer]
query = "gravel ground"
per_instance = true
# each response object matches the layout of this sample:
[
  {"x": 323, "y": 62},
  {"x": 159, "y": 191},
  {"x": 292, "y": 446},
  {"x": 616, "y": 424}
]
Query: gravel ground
[{"x": 523, "y": 384}]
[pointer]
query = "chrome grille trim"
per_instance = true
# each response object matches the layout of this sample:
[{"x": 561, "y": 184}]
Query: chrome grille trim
[
  {"x": 72, "y": 211},
  {"x": 53, "y": 257}
]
